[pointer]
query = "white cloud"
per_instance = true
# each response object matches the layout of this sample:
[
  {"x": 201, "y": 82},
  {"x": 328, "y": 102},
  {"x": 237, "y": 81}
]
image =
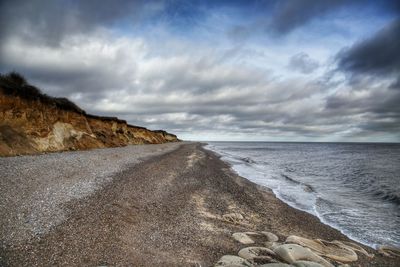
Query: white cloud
[{"x": 206, "y": 90}]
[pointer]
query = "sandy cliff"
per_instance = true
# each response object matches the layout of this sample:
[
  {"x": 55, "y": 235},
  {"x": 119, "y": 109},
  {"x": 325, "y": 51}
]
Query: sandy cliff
[{"x": 31, "y": 122}]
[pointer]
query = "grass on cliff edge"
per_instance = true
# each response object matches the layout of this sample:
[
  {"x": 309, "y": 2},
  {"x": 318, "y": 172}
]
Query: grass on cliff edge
[{"x": 16, "y": 85}]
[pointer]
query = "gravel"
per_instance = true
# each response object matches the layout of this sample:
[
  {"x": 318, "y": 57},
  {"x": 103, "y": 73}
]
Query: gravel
[
  {"x": 33, "y": 189},
  {"x": 167, "y": 210}
]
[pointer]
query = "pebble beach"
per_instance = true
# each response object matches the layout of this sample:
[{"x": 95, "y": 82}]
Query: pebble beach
[{"x": 157, "y": 205}]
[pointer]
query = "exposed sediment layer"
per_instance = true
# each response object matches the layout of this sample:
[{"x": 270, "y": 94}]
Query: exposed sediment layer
[
  {"x": 31, "y": 122},
  {"x": 179, "y": 208}
]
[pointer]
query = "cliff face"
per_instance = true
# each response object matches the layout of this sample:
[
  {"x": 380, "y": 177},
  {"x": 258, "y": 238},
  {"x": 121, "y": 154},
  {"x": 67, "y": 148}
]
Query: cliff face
[{"x": 37, "y": 123}]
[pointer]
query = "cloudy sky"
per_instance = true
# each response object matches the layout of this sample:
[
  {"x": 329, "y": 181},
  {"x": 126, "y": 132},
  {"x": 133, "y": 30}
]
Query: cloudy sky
[{"x": 287, "y": 70}]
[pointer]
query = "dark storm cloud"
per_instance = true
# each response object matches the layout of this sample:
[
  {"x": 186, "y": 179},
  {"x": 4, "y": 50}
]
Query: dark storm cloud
[
  {"x": 290, "y": 15},
  {"x": 396, "y": 84},
  {"x": 375, "y": 102},
  {"x": 375, "y": 108},
  {"x": 373, "y": 73},
  {"x": 303, "y": 63},
  {"x": 376, "y": 55},
  {"x": 372, "y": 68},
  {"x": 48, "y": 21}
]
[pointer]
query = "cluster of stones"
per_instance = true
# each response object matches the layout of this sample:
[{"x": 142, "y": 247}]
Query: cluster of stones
[{"x": 294, "y": 251}]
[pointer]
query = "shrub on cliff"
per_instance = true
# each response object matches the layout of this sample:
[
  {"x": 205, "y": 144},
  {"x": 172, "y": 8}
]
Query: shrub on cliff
[
  {"x": 15, "y": 84},
  {"x": 66, "y": 104},
  {"x": 14, "y": 78}
]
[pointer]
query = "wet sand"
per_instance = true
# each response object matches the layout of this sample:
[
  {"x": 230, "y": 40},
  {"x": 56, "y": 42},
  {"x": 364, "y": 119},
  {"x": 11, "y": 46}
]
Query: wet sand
[{"x": 165, "y": 211}]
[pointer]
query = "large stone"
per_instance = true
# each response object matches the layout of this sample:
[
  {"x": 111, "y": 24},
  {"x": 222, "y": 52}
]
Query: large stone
[
  {"x": 278, "y": 264},
  {"x": 243, "y": 238},
  {"x": 306, "y": 264},
  {"x": 324, "y": 248},
  {"x": 257, "y": 255},
  {"x": 271, "y": 245},
  {"x": 353, "y": 246},
  {"x": 255, "y": 237},
  {"x": 231, "y": 260},
  {"x": 270, "y": 237},
  {"x": 291, "y": 253},
  {"x": 389, "y": 251}
]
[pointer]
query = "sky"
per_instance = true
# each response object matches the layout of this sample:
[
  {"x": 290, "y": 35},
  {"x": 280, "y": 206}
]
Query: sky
[{"x": 287, "y": 70}]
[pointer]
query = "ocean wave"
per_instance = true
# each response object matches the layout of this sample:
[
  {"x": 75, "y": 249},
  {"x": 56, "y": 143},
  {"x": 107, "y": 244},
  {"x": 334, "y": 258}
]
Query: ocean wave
[
  {"x": 290, "y": 179},
  {"x": 384, "y": 192},
  {"x": 248, "y": 160},
  {"x": 345, "y": 185},
  {"x": 235, "y": 149},
  {"x": 306, "y": 187},
  {"x": 372, "y": 186},
  {"x": 388, "y": 196}
]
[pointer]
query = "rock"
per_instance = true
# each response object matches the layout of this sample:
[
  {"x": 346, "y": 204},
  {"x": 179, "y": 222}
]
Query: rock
[
  {"x": 306, "y": 264},
  {"x": 324, "y": 248},
  {"x": 270, "y": 236},
  {"x": 353, "y": 246},
  {"x": 291, "y": 253},
  {"x": 231, "y": 260},
  {"x": 233, "y": 217},
  {"x": 271, "y": 245},
  {"x": 243, "y": 238},
  {"x": 279, "y": 264},
  {"x": 389, "y": 251},
  {"x": 257, "y": 255},
  {"x": 255, "y": 237}
]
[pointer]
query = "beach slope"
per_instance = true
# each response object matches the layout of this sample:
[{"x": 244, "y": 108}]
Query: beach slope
[{"x": 166, "y": 209}]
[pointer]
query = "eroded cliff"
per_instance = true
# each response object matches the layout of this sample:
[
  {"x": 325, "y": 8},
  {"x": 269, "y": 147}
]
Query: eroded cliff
[{"x": 31, "y": 122}]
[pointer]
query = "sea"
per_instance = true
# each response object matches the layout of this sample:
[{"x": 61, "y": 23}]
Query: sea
[{"x": 353, "y": 187}]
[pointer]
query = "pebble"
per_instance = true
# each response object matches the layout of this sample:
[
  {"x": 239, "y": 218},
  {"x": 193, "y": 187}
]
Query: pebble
[
  {"x": 34, "y": 188},
  {"x": 233, "y": 217}
]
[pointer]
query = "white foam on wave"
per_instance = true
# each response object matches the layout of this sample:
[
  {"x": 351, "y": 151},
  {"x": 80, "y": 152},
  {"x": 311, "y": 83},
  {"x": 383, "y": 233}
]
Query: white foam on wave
[
  {"x": 343, "y": 231},
  {"x": 286, "y": 192},
  {"x": 262, "y": 175}
]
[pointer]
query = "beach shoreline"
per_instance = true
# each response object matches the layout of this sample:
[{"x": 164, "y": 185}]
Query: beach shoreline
[
  {"x": 168, "y": 210},
  {"x": 319, "y": 188}
]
